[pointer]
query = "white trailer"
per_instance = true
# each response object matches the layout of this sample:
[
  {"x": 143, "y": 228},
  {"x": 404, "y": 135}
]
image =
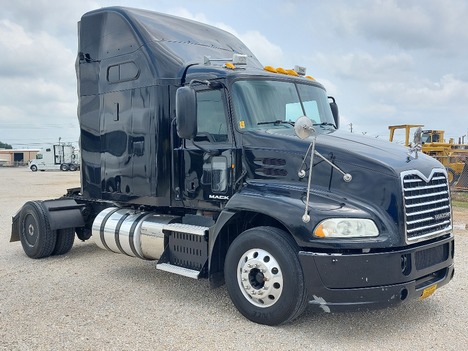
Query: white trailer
[{"x": 57, "y": 157}]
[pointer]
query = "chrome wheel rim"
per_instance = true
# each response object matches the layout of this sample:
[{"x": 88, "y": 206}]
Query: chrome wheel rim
[{"x": 260, "y": 278}]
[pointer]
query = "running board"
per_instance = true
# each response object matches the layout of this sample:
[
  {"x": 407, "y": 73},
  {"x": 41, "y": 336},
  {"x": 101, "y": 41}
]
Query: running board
[
  {"x": 186, "y": 228},
  {"x": 186, "y": 252},
  {"x": 186, "y": 272}
]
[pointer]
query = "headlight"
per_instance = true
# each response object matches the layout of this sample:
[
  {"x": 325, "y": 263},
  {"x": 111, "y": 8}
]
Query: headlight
[{"x": 346, "y": 228}]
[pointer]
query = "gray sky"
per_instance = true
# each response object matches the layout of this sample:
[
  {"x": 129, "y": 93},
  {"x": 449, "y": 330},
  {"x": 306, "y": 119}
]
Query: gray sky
[{"x": 385, "y": 61}]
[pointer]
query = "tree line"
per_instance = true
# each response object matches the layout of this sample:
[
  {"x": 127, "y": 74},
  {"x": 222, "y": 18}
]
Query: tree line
[{"x": 5, "y": 146}]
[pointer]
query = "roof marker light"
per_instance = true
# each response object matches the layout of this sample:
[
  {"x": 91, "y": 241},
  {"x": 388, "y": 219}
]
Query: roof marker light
[
  {"x": 291, "y": 72},
  {"x": 281, "y": 70},
  {"x": 270, "y": 69}
]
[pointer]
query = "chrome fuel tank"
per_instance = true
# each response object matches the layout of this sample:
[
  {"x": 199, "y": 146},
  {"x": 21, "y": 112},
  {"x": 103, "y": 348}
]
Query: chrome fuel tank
[{"x": 133, "y": 233}]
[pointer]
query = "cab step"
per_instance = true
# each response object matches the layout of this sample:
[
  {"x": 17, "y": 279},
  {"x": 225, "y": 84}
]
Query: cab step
[
  {"x": 186, "y": 272},
  {"x": 186, "y": 252}
]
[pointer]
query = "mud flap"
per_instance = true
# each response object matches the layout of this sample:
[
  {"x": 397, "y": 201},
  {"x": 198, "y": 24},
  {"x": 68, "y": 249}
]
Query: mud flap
[{"x": 15, "y": 227}]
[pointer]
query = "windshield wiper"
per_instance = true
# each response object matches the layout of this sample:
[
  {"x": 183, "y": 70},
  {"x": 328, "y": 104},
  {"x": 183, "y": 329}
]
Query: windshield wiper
[
  {"x": 278, "y": 121},
  {"x": 323, "y": 124}
]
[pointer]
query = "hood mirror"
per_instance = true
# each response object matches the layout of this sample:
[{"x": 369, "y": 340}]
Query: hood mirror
[{"x": 304, "y": 127}]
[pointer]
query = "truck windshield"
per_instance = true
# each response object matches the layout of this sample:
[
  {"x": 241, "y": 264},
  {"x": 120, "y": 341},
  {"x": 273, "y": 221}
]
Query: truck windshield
[{"x": 266, "y": 104}]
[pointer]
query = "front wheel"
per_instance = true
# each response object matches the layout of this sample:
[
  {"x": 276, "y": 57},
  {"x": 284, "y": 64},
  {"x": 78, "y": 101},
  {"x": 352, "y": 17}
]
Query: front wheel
[
  {"x": 33, "y": 168},
  {"x": 264, "y": 277}
]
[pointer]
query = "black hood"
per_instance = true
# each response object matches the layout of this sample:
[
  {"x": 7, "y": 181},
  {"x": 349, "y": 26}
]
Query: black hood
[
  {"x": 345, "y": 150},
  {"x": 274, "y": 157}
]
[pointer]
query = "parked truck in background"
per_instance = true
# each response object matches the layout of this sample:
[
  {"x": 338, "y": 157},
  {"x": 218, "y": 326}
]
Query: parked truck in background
[
  {"x": 199, "y": 158},
  {"x": 62, "y": 157}
]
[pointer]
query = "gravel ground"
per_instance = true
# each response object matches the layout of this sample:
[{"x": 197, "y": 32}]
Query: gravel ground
[{"x": 91, "y": 299}]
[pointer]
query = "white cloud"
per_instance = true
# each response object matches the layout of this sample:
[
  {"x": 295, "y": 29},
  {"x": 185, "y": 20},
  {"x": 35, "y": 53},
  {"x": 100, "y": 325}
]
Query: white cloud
[
  {"x": 40, "y": 100},
  {"x": 364, "y": 66},
  {"x": 265, "y": 51},
  {"x": 433, "y": 24},
  {"x": 437, "y": 104},
  {"x": 33, "y": 54},
  {"x": 332, "y": 89},
  {"x": 58, "y": 18},
  {"x": 37, "y": 101},
  {"x": 38, "y": 70},
  {"x": 424, "y": 93}
]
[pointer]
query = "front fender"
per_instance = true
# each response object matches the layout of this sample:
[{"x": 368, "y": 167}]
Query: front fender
[{"x": 286, "y": 204}]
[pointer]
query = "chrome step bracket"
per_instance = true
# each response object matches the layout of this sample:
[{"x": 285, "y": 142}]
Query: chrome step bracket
[{"x": 186, "y": 272}]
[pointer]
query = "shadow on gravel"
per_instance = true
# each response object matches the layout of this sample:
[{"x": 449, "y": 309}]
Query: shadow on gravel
[{"x": 404, "y": 320}]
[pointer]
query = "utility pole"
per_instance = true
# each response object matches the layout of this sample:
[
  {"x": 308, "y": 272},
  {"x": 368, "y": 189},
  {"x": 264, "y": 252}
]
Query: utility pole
[{"x": 351, "y": 127}]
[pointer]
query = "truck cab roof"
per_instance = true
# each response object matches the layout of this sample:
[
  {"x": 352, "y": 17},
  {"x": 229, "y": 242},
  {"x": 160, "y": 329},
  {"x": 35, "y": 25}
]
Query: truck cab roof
[{"x": 171, "y": 42}]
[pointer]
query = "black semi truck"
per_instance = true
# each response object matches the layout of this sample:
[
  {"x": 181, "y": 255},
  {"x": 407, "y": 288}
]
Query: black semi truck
[{"x": 196, "y": 156}]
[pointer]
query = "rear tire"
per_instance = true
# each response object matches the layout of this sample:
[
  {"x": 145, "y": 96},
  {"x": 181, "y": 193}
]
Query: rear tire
[
  {"x": 64, "y": 167},
  {"x": 264, "y": 277},
  {"x": 73, "y": 168},
  {"x": 64, "y": 242},
  {"x": 37, "y": 239}
]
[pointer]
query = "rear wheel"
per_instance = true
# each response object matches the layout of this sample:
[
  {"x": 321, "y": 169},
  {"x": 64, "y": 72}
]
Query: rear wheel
[
  {"x": 73, "y": 167},
  {"x": 264, "y": 277},
  {"x": 64, "y": 242},
  {"x": 64, "y": 167},
  {"x": 37, "y": 239}
]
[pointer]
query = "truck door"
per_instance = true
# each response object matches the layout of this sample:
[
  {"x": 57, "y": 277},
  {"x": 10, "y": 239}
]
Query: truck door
[
  {"x": 208, "y": 161},
  {"x": 58, "y": 154}
]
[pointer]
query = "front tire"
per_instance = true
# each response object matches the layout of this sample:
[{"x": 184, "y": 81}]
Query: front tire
[
  {"x": 37, "y": 239},
  {"x": 33, "y": 168},
  {"x": 264, "y": 277}
]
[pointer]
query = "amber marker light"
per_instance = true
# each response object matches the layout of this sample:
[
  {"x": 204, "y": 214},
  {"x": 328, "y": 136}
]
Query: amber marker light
[{"x": 270, "y": 69}]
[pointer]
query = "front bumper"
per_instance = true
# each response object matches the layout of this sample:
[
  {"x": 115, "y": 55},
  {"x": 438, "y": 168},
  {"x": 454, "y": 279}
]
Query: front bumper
[{"x": 341, "y": 281}]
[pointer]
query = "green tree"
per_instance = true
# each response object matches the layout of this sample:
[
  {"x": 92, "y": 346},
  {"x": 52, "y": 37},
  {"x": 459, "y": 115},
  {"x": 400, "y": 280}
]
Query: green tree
[{"x": 5, "y": 146}]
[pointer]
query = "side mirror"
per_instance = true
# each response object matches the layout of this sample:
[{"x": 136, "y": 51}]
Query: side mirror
[
  {"x": 186, "y": 113},
  {"x": 334, "y": 109}
]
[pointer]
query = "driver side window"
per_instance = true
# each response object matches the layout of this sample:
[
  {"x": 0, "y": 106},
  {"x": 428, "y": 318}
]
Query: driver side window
[{"x": 211, "y": 116}]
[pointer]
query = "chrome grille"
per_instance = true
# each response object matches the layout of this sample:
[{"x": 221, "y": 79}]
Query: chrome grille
[{"x": 427, "y": 205}]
